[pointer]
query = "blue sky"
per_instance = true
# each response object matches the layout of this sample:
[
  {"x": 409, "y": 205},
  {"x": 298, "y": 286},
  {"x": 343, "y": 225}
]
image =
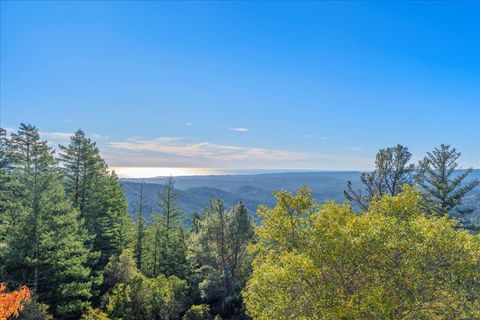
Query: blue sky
[{"x": 314, "y": 85}]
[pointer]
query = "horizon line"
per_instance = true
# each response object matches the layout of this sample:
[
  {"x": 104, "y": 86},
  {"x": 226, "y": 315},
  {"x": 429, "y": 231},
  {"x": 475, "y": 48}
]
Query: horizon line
[{"x": 164, "y": 172}]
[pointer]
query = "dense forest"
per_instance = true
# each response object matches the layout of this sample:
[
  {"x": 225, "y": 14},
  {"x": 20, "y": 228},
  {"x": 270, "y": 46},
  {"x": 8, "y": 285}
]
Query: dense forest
[{"x": 70, "y": 249}]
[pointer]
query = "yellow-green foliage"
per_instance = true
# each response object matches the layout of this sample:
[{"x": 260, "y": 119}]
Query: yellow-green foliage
[
  {"x": 392, "y": 262},
  {"x": 198, "y": 312},
  {"x": 143, "y": 298},
  {"x": 94, "y": 314}
]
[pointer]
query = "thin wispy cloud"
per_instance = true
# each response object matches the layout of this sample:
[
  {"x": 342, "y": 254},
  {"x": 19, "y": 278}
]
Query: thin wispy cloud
[
  {"x": 188, "y": 124},
  {"x": 44, "y": 135},
  {"x": 183, "y": 152},
  {"x": 182, "y": 148},
  {"x": 240, "y": 129},
  {"x": 55, "y": 135}
]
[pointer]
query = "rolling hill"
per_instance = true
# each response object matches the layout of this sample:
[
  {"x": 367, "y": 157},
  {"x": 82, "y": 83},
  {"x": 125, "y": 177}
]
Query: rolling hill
[{"x": 255, "y": 189}]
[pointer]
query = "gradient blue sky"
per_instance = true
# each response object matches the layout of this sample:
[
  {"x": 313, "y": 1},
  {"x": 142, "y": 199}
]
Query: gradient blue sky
[{"x": 314, "y": 85}]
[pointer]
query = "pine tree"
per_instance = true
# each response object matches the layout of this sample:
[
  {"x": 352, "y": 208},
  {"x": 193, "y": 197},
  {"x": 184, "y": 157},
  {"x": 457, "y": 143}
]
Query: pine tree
[
  {"x": 8, "y": 186},
  {"x": 114, "y": 228},
  {"x": 3, "y": 149},
  {"x": 45, "y": 246},
  {"x": 392, "y": 171},
  {"x": 196, "y": 217},
  {"x": 219, "y": 254},
  {"x": 140, "y": 227},
  {"x": 443, "y": 188},
  {"x": 169, "y": 256},
  {"x": 171, "y": 216},
  {"x": 99, "y": 197}
]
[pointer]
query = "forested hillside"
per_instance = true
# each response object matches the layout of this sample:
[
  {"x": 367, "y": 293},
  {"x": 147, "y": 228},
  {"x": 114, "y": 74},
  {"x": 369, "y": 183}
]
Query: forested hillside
[
  {"x": 256, "y": 189},
  {"x": 392, "y": 249},
  {"x": 190, "y": 200}
]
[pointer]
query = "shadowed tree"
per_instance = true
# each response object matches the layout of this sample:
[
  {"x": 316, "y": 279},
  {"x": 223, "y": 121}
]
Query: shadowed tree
[
  {"x": 45, "y": 246},
  {"x": 140, "y": 226},
  {"x": 219, "y": 255}
]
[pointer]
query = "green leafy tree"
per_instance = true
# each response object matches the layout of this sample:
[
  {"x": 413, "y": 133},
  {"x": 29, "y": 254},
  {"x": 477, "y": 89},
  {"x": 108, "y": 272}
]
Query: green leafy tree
[
  {"x": 443, "y": 188},
  {"x": 219, "y": 257},
  {"x": 392, "y": 262},
  {"x": 94, "y": 314},
  {"x": 45, "y": 244},
  {"x": 392, "y": 171},
  {"x": 198, "y": 312},
  {"x": 141, "y": 298},
  {"x": 119, "y": 269}
]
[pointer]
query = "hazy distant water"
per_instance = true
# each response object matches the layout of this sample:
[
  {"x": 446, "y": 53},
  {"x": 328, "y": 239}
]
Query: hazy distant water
[{"x": 150, "y": 172}]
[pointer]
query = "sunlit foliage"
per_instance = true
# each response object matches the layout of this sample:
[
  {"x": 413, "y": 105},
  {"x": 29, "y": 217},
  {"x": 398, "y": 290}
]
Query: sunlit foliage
[{"x": 392, "y": 262}]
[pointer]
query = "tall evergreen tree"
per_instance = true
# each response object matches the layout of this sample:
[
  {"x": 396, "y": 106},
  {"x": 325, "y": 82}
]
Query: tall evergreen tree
[
  {"x": 45, "y": 246},
  {"x": 442, "y": 187},
  {"x": 169, "y": 251},
  {"x": 114, "y": 229},
  {"x": 392, "y": 171},
  {"x": 98, "y": 195},
  {"x": 140, "y": 227},
  {"x": 6, "y": 187},
  {"x": 171, "y": 217},
  {"x": 81, "y": 166},
  {"x": 9, "y": 193}
]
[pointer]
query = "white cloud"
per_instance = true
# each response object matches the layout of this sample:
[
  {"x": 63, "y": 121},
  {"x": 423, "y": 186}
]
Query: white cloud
[
  {"x": 188, "y": 124},
  {"x": 181, "y": 152},
  {"x": 46, "y": 135},
  {"x": 182, "y": 148},
  {"x": 53, "y": 138},
  {"x": 240, "y": 129},
  {"x": 55, "y": 135}
]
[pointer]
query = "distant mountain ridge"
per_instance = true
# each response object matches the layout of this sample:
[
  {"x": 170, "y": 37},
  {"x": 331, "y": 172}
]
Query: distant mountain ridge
[{"x": 255, "y": 189}]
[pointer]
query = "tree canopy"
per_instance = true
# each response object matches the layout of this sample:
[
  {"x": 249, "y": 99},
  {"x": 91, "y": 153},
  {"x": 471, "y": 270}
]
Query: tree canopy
[{"x": 392, "y": 262}]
